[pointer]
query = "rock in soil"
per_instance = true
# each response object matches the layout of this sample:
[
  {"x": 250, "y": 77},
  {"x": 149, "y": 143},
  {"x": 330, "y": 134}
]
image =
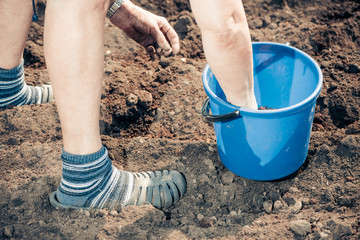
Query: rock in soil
[{"x": 300, "y": 227}]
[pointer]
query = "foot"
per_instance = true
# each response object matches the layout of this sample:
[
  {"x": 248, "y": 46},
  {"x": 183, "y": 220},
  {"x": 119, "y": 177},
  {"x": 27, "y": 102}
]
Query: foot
[
  {"x": 15, "y": 92},
  {"x": 90, "y": 181}
]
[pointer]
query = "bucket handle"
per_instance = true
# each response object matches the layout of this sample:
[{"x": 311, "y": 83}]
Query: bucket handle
[{"x": 216, "y": 118}]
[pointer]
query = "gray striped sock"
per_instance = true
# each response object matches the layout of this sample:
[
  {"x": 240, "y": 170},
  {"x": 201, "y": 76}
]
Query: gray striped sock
[
  {"x": 90, "y": 181},
  {"x": 14, "y": 90}
]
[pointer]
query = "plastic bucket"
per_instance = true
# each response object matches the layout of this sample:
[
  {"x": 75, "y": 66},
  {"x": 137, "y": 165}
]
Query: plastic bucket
[{"x": 267, "y": 144}]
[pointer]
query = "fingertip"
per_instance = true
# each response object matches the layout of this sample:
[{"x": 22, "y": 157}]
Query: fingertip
[{"x": 176, "y": 48}]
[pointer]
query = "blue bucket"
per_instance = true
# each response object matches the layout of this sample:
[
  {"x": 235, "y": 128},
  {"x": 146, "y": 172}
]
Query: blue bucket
[{"x": 267, "y": 144}]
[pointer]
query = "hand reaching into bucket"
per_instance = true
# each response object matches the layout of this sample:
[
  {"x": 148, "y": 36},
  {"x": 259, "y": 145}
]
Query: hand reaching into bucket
[
  {"x": 227, "y": 45},
  {"x": 149, "y": 30}
]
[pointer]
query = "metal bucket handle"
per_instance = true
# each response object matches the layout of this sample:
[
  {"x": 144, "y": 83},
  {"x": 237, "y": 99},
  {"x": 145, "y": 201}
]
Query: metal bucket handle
[{"x": 205, "y": 111}]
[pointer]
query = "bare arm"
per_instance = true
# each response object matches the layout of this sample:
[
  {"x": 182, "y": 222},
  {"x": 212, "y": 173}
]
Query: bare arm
[{"x": 147, "y": 29}]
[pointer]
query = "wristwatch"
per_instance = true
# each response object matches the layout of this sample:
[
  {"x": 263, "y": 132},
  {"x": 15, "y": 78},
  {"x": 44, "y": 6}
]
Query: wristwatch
[{"x": 114, "y": 7}]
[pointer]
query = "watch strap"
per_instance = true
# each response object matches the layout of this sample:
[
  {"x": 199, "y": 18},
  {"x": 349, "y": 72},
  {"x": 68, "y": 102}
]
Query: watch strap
[{"x": 114, "y": 7}]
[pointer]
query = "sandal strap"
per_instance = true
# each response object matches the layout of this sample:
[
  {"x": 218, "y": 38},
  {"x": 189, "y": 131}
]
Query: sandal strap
[
  {"x": 47, "y": 93},
  {"x": 160, "y": 188}
]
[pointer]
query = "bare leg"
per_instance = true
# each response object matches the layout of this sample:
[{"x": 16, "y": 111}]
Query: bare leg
[
  {"x": 15, "y": 20},
  {"x": 227, "y": 45},
  {"x": 74, "y": 51}
]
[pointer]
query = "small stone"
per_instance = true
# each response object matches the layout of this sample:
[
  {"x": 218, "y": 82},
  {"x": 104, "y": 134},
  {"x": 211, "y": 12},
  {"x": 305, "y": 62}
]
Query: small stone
[
  {"x": 233, "y": 213},
  {"x": 200, "y": 217},
  {"x": 183, "y": 26},
  {"x": 227, "y": 177},
  {"x": 300, "y": 227},
  {"x": 274, "y": 196},
  {"x": 290, "y": 201},
  {"x": 305, "y": 201},
  {"x": 268, "y": 206},
  {"x": 328, "y": 196},
  {"x": 258, "y": 23},
  {"x": 159, "y": 114},
  {"x": 164, "y": 63},
  {"x": 87, "y": 213},
  {"x": 206, "y": 222},
  {"x": 323, "y": 236},
  {"x": 113, "y": 213},
  {"x": 131, "y": 100},
  {"x": 296, "y": 208},
  {"x": 145, "y": 98},
  {"x": 340, "y": 230},
  {"x": 9, "y": 231},
  {"x": 273, "y": 26},
  {"x": 258, "y": 201},
  {"x": 209, "y": 163},
  {"x": 211, "y": 149},
  {"x": 293, "y": 190},
  {"x": 42, "y": 223},
  {"x": 203, "y": 178}
]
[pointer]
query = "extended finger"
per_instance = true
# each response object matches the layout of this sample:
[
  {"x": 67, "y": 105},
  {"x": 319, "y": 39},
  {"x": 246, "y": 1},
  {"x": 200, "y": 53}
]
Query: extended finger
[
  {"x": 172, "y": 36},
  {"x": 160, "y": 38}
]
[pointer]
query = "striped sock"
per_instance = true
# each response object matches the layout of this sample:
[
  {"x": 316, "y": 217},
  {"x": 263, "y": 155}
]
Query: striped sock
[
  {"x": 14, "y": 90},
  {"x": 90, "y": 181}
]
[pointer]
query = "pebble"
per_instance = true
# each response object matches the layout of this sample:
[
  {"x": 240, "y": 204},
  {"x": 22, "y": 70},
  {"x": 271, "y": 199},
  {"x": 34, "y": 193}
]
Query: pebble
[
  {"x": 268, "y": 206},
  {"x": 227, "y": 177},
  {"x": 290, "y": 201},
  {"x": 9, "y": 231},
  {"x": 339, "y": 230},
  {"x": 233, "y": 213},
  {"x": 305, "y": 201},
  {"x": 183, "y": 26},
  {"x": 131, "y": 100},
  {"x": 323, "y": 236},
  {"x": 159, "y": 114},
  {"x": 206, "y": 222},
  {"x": 274, "y": 196},
  {"x": 300, "y": 227},
  {"x": 164, "y": 63},
  {"x": 297, "y": 207},
  {"x": 200, "y": 216},
  {"x": 328, "y": 195},
  {"x": 87, "y": 213},
  {"x": 42, "y": 223},
  {"x": 293, "y": 190},
  {"x": 145, "y": 98},
  {"x": 203, "y": 178},
  {"x": 113, "y": 213},
  {"x": 208, "y": 162}
]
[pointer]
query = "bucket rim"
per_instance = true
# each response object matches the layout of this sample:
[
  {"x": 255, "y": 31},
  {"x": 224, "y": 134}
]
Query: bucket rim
[{"x": 273, "y": 112}]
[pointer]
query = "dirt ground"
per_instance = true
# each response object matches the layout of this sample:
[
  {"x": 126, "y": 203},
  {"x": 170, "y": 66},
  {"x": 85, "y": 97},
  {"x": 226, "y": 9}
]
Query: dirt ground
[{"x": 150, "y": 119}]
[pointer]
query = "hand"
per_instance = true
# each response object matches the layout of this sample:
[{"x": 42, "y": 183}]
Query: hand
[{"x": 149, "y": 30}]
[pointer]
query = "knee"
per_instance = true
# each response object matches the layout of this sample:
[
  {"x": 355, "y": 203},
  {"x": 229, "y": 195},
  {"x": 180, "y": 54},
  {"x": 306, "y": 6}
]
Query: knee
[{"x": 228, "y": 36}]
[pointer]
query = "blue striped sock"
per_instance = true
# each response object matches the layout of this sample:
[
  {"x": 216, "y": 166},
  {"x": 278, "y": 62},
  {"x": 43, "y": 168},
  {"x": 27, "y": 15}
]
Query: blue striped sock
[
  {"x": 90, "y": 181},
  {"x": 14, "y": 90}
]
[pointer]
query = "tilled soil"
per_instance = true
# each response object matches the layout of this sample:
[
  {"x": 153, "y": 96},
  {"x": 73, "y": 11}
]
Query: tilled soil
[{"x": 150, "y": 119}]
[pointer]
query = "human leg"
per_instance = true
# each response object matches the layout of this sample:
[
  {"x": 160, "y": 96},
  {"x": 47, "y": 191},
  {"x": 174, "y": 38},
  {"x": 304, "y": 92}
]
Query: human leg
[
  {"x": 74, "y": 51},
  {"x": 15, "y": 20},
  {"x": 227, "y": 46}
]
